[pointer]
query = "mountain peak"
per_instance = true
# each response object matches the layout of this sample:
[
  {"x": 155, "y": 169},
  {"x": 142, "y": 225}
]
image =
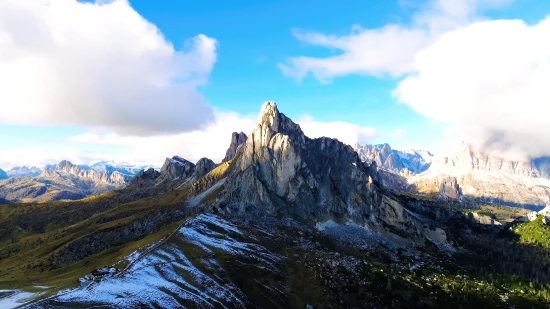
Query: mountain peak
[{"x": 269, "y": 115}]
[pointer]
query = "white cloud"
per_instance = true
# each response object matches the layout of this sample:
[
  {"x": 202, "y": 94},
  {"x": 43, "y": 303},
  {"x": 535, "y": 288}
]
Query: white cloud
[
  {"x": 99, "y": 65},
  {"x": 486, "y": 79},
  {"x": 398, "y": 133},
  {"x": 212, "y": 141},
  {"x": 345, "y": 132},
  {"x": 387, "y": 50},
  {"x": 489, "y": 81}
]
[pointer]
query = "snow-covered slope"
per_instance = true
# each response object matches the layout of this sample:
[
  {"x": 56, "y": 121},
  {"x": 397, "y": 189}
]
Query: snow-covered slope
[{"x": 189, "y": 269}]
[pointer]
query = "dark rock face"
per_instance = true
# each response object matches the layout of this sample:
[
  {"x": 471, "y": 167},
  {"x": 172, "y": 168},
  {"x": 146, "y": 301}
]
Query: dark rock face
[
  {"x": 237, "y": 139},
  {"x": 203, "y": 167},
  {"x": 176, "y": 173},
  {"x": 450, "y": 188}
]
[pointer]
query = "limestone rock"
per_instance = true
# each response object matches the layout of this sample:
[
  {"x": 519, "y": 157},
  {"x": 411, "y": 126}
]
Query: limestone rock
[
  {"x": 449, "y": 187},
  {"x": 284, "y": 172},
  {"x": 237, "y": 139}
]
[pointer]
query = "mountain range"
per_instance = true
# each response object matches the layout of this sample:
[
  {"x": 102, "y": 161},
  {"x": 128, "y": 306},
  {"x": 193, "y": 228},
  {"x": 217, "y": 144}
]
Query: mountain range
[
  {"x": 285, "y": 221},
  {"x": 521, "y": 183},
  {"x": 404, "y": 162}
]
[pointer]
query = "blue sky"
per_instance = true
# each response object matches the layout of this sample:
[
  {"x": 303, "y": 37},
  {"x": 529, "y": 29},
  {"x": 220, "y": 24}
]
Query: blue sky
[{"x": 254, "y": 39}]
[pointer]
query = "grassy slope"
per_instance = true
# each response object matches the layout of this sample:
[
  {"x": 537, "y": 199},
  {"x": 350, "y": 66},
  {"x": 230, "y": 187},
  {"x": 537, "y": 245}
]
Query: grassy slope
[
  {"x": 33, "y": 234},
  {"x": 27, "y": 258}
]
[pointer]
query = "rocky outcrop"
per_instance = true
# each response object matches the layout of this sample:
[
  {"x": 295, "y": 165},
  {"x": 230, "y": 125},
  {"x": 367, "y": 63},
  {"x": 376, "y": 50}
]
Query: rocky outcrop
[
  {"x": 3, "y": 174},
  {"x": 114, "y": 179},
  {"x": 406, "y": 163},
  {"x": 237, "y": 139},
  {"x": 176, "y": 173},
  {"x": 482, "y": 219},
  {"x": 176, "y": 168},
  {"x": 449, "y": 188}
]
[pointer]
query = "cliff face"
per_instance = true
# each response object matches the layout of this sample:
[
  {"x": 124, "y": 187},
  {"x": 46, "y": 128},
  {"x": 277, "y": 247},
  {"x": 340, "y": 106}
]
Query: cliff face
[
  {"x": 114, "y": 179},
  {"x": 449, "y": 187}
]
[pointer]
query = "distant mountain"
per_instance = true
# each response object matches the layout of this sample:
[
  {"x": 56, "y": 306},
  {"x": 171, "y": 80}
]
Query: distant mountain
[
  {"x": 22, "y": 171},
  {"x": 495, "y": 179},
  {"x": 121, "y": 167},
  {"x": 406, "y": 162},
  {"x": 176, "y": 173},
  {"x": 61, "y": 181},
  {"x": 3, "y": 174}
]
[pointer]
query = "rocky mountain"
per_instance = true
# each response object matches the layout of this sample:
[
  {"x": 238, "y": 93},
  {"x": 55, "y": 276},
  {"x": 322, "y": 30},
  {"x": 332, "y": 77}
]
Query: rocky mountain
[
  {"x": 237, "y": 139},
  {"x": 285, "y": 173},
  {"x": 408, "y": 162},
  {"x": 64, "y": 181},
  {"x": 22, "y": 171},
  {"x": 175, "y": 173},
  {"x": 488, "y": 177},
  {"x": 3, "y": 174}
]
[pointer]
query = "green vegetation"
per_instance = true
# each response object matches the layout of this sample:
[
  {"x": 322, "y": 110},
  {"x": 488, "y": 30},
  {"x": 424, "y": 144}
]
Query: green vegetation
[
  {"x": 54, "y": 244},
  {"x": 531, "y": 232},
  {"x": 487, "y": 213}
]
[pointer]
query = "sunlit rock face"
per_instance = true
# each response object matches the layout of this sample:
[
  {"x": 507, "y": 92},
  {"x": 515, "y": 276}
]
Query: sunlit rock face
[{"x": 286, "y": 173}]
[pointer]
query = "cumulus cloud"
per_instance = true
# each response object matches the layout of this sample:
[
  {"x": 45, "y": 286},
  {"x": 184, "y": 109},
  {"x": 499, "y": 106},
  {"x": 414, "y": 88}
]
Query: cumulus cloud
[
  {"x": 489, "y": 81},
  {"x": 486, "y": 79},
  {"x": 389, "y": 50},
  {"x": 99, "y": 65}
]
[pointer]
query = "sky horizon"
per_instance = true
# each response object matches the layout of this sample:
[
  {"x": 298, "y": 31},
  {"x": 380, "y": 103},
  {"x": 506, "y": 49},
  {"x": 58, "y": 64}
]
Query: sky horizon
[{"x": 138, "y": 81}]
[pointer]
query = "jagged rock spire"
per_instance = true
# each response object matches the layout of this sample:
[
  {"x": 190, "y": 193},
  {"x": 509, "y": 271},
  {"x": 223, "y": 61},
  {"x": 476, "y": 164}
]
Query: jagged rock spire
[{"x": 237, "y": 139}]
